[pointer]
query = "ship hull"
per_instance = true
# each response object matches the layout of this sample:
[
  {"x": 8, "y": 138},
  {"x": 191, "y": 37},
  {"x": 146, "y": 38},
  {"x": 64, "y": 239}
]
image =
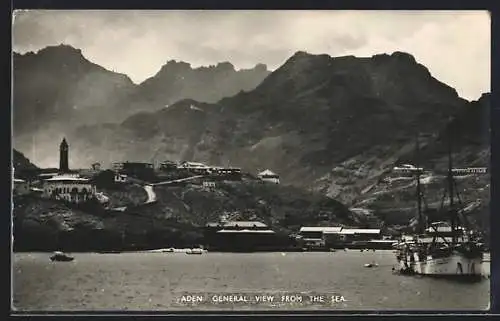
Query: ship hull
[{"x": 454, "y": 266}]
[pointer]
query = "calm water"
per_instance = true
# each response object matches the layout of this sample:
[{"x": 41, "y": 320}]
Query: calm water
[{"x": 157, "y": 281}]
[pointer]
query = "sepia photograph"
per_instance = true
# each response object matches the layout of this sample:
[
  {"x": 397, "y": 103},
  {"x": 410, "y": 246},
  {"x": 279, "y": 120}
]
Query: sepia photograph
[{"x": 250, "y": 160}]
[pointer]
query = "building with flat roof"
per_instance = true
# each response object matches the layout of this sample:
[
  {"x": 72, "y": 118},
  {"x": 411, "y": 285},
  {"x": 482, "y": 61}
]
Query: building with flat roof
[
  {"x": 269, "y": 176},
  {"x": 69, "y": 188},
  {"x": 239, "y": 236},
  {"x": 168, "y": 166},
  {"x": 316, "y": 237},
  {"x": 21, "y": 187},
  {"x": 313, "y": 237}
]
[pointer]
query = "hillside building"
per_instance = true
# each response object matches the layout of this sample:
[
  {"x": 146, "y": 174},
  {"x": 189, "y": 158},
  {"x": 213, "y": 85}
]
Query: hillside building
[
  {"x": 67, "y": 185},
  {"x": 69, "y": 188},
  {"x": 209, "y": 184},
  {"x": 168, "y": 166},
  {"x": 195, "y": 167},
  {"x": 269, "y": 176},
  {"x": 133, "y": 168},
  {"x": 21, "y": 187},
  {"x": 226, "y": 171},
  {"x": 96, "y": 166},
  {"x": 120, "y": 178}
]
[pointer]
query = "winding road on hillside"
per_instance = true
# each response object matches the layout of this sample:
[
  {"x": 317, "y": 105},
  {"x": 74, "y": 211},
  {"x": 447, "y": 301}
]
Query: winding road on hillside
[
  {"x": 177, "y": 180},
  {"x": 151, "y": 194},
  {"x": 149, "y": 188}
]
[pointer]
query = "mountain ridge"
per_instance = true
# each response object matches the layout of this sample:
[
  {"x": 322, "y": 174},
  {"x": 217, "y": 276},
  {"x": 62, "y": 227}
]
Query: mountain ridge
[{"x": 57, "y": 88}]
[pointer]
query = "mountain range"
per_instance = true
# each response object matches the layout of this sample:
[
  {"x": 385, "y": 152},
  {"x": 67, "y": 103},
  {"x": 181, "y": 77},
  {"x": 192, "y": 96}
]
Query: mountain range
[
  {"x": 335, "y": 125},
  {"x": 57, "y": 89}
]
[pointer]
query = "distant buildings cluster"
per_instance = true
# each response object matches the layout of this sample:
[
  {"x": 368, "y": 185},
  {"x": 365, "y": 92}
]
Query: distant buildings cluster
[
  {"x": 62, "y": 184},
  {"x": 255, "y": 235},
  {"x": 76, "y": 186},
  {"x": 239, "y": 235},
  {"x": 318, "y": 237},
  {"x": 125, "y": 169}
]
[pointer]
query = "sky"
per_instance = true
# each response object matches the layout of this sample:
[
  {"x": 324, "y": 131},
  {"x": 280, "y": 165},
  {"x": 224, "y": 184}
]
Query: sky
[{"x": 453, "y": 45}]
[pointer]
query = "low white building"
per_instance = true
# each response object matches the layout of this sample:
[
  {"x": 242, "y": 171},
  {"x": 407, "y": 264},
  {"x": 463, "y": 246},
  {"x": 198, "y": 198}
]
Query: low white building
[
  {"x": 195, "y": 167},
  {"x": 360, "y": 234},
  {"x": 121, "y": 178},
  {"x": 208, "y": 184},
  {"x": 269, "y": 176},
  {"x": 103, "y": 199},
  {"x": 69, "y": 188},
  {"x": 21, "y": 187}
]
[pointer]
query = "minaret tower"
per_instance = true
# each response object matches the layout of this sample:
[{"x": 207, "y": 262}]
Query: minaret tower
[{"x": 63, "y": 156}]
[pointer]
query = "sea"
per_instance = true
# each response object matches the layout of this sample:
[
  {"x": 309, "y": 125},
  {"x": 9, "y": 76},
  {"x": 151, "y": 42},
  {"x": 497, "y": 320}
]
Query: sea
[{"x": 144, "y": 281}]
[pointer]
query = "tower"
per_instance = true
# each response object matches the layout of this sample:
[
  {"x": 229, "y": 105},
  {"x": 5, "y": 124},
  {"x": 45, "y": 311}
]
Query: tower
[{"x": 63, "y": 156}]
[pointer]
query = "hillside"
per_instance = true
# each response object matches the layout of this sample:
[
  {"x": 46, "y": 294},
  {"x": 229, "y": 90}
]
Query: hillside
[
  {"x": 393, "y": 199},
  {"x": 20, "y": 162},
  {"x": 175, "y": 220},
  {"x": 330, "y": 124}
]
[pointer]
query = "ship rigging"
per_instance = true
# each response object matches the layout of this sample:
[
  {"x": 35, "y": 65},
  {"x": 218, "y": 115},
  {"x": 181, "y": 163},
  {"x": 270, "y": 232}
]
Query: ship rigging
[{"x": 438, "y": 249}]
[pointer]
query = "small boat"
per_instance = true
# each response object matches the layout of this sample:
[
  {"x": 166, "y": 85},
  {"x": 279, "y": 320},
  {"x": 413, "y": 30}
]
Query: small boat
[
  {"x": 370, "y": 265},
  {"x": 61, "y": 257},
  {"x": 169, "y": 250},
  {"x": 194, "y": 251}
]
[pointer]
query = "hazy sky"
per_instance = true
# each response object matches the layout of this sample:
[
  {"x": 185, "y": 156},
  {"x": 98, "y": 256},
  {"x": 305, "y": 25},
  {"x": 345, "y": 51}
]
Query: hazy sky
[{"x": 454, "y": 45}]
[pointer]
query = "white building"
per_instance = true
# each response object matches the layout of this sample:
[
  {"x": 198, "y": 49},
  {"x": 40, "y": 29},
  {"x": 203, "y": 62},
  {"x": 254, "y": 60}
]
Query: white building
[
  {"x": 69, "y": 188},
  {"x": 191, "y": 165},
  {"x": 314, "y": 236},
  {"x": 21, "y": 187},
  {"x": 117, "y": 166},
  {"x": 121, "y": 178},
  {"x": 269, "y": 176},
  {"x": 195, "y": 167},
  {"x": 208, "y": 184},
  {"x": 103, "y": 199}
]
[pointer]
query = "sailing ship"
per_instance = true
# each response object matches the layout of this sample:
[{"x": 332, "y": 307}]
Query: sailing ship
[{"x": 445, "y": 248}]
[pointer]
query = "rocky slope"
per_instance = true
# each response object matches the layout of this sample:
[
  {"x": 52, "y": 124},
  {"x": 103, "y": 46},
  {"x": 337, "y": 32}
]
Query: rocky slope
[
  {"x": 393, "y": 198},
  {"x": 20, "y": 162},
  {"x": 58, "y": 85},
  {"x": 175, "y": 220}
]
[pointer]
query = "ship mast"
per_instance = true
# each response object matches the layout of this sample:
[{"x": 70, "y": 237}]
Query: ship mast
[
  {"x": 420, "y": 223},
  {"x": 452, "y": 211}
]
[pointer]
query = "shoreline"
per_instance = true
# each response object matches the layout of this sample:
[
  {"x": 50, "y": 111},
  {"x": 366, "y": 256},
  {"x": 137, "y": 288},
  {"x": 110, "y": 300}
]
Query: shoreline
[{"x": 184, "y": 250}]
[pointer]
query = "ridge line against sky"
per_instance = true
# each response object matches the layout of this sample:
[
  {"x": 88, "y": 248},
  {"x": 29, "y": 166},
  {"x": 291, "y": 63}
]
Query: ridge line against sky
[{"x": 454, "y": 45}]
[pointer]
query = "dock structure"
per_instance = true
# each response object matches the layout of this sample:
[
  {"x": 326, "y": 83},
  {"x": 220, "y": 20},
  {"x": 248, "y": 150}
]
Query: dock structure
[
  {"x": 240, "y": 236},
  {"x": 326, "y": 237}
]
